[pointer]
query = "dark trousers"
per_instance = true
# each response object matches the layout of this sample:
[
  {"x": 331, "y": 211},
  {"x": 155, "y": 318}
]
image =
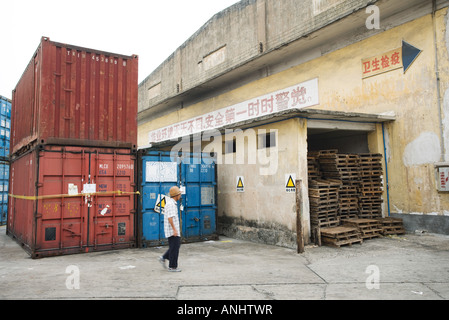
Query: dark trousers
[{"x": 174, "y": 243}]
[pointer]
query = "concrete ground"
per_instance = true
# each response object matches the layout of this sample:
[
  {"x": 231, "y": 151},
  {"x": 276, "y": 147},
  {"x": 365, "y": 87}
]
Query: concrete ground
[{"x": 413, "y": 266}]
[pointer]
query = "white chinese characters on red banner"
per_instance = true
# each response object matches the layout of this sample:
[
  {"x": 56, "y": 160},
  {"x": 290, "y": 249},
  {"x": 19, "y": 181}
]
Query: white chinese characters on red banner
[{"x": 299, "y": 96}]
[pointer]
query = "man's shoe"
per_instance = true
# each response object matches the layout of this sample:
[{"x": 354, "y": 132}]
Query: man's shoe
[
  {"x": 162, "y": 261},
  {"x": 174, "y": 270}
]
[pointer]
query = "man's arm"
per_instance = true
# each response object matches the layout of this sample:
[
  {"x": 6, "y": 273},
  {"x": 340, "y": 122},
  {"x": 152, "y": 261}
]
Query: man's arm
[{"x": 175, "y": 232}]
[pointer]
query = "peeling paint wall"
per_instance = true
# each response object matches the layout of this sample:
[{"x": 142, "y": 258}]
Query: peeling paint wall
[
  {"x": 423, "y": 150},
  {"x": 445, "y": 121},
  {"x": 265, "y": 208},
  {"x": 413, "y": 142}
]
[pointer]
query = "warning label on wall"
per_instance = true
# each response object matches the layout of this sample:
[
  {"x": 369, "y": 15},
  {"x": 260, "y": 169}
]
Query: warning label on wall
[
  {"x": 160, "y": 204},
  {"x": 240, "y": 184},
  {"x": 290, "y": 182},
  {"x": 443, "y": 179}
]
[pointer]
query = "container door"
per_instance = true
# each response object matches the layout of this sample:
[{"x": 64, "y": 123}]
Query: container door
[
  {"x": 68, "y": 222},
  {"x": 199, "y": 201},
  {"x": 4, "y": 187},
  {"x": 112, "y": 211},
  {"x": 159, "y": 174},
  {"x": 61, "y": 222}
]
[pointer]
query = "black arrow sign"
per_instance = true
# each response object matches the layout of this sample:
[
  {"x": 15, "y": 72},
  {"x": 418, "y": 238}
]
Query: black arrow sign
[{"x": 409, "y": 54}]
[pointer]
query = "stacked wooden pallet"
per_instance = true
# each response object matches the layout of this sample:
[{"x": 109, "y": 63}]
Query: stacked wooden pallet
[
  {"x": 313, "y": 166},
  {"x": 391, "y": 226},
  {"x": 344, "y": 167},
  {"x": 324, "y": 205},
  {"x": 339, "y": 236},
  {"x": 370, "y": 192},
  {"x": 334, "y": 165},
  {"x": 368, "y": 228},
  {"x": 354, "y": 182},
  {"x": 349, "y": 200}
]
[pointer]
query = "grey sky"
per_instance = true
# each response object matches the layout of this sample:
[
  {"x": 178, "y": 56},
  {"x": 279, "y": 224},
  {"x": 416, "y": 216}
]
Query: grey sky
[{"x": 151, "y": 29}]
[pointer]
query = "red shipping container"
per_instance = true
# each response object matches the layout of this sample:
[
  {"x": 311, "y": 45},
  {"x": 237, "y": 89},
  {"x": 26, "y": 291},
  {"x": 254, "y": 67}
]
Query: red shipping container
[
  {"x": 72, "y": 199},
  {"x": 70, "y": 95}
]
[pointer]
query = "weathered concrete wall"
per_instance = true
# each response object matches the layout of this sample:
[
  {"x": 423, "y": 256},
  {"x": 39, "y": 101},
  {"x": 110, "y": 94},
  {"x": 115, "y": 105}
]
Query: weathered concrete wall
[
  {"x": 414, "y": 138},
  {"x": 265, "y": 210},
  {"x": 413, "y": 142},
  {"x": 236, "y": 36}
]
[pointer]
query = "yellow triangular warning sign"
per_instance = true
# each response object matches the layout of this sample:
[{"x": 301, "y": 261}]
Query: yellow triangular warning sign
[
  {"x": 240, "y": 183},
  {"x": 161, "y": 203},
  {"x": 290, "y": 183}
]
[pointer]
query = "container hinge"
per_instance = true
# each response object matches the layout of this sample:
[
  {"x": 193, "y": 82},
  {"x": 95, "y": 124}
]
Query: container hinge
[{"x": 39, "y": 184}]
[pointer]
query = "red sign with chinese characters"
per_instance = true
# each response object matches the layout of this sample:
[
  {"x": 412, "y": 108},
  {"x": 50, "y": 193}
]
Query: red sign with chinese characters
[{"x": 385, "y": 62}]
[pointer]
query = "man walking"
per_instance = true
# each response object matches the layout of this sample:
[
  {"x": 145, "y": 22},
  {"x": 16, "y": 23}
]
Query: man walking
[{"x": 172, "y": 231}]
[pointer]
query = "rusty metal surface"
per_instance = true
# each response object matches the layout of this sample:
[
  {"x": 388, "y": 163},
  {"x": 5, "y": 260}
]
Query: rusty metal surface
[
  {"x": 72, "y": 199},
  {"x": 75, "y": 93}
]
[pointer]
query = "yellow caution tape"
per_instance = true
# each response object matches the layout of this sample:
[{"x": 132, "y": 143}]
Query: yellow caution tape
[{"x": 54, "y": 196}]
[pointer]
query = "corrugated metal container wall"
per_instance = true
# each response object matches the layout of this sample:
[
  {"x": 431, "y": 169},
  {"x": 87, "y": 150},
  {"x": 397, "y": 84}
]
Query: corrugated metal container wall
[
  {"x": 76, "y": 96},
  {"x": 4, "y": 187},
  {"x": 199, "y": 215},
  {"x": 72, "y": 199},
  {"x": 5, "y": 127},
  {"x": 197, "y": 178},
  {"x": 158, "y": 175}
]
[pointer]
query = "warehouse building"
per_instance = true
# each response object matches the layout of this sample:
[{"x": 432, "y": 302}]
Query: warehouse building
[{"x": 272, "y": 86}]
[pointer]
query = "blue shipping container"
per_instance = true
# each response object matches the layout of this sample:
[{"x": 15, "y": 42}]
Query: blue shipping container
[
  {"x": 5, "y": 135},
  {"x": 4, "y": 187},
  {"x": 196, "y": 176},
  {"x": 5, "y": 127},
  {"x": 5, "y": 107}
]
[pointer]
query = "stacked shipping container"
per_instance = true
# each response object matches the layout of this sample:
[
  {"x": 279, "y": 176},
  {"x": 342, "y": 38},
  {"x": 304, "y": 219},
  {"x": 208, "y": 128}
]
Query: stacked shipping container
[
  {"x": 5, "y": 133},
  {"x": 196, "y": 174},
  {"x": 5, "y": 127},
  {"x": 4, "y": 187},
  {"x": 74, "y": 134}
]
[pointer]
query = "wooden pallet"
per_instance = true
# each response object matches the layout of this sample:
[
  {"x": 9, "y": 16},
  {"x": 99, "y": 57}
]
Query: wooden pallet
[
  {"x": 371, "y": 214},
  {"x": 368, "y": 228},
  {"x": 391, "y": 226},
  {"x": 348, "y": 200},
  {"x": 313, "y": 167},
  {"x": 324, "y": 214},
  {"x": 348, "y": 214},
  {"x": 339, "y": 166},
  {"x": 358, "y": 178},
  {"x": 324, "y": 204},
  {"x": 326, "y": 183},
  {"x": 350, "y": 188},
  {"x": 340, "y": 236},
  {"x": 370, "y": 158},
  {"x": 326, "y": 152},
  {"x": 324, "y": 222}
]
